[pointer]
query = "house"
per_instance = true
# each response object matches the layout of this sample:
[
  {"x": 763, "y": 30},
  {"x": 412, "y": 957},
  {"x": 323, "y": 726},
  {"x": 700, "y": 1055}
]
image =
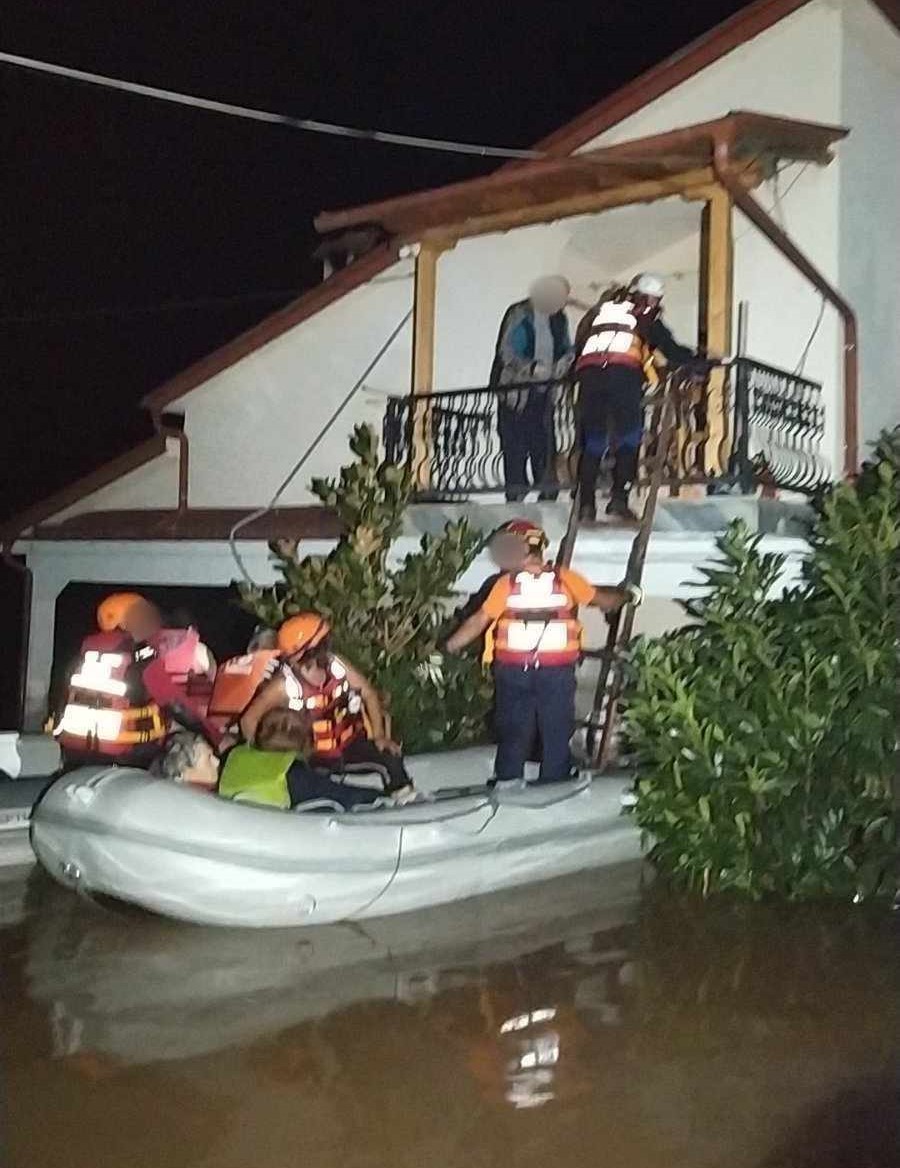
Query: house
[{"x": 779, "y": 218}]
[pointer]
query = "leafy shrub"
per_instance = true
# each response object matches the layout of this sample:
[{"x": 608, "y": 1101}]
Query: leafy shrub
[
  {"x": 387, "y": 619},
  {"x": 766, "y": 733}
]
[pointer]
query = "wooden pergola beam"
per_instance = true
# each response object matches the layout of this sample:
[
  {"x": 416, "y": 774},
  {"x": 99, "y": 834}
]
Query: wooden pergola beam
[
  {"x": 645, "y": 191},
  {"x": 422, "y": 378}
]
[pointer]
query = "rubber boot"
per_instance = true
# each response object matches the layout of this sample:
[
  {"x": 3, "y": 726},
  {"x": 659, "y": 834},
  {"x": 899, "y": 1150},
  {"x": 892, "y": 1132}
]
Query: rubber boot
[
  {"x": 618, "y": 508},
  {"x": 624, "y": 474}
]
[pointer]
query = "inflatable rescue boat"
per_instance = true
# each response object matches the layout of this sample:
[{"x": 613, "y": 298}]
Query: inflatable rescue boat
[{"x": 196, "y": 857}]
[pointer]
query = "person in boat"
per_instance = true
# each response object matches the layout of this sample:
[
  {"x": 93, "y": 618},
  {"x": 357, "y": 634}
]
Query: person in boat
[
  {"x": 122, "y": 701},
  {"x": 187, "y": 757},
  {"x": 276, "y": 768},
  {"x": 613, "y": 344},
  {"x": 348, "y": 723},
  {"x": 534, "y": 642}
]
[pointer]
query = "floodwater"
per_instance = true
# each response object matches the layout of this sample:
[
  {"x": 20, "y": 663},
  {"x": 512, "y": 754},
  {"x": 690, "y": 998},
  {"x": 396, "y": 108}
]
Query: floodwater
[{"x": 572, "y": 1024}]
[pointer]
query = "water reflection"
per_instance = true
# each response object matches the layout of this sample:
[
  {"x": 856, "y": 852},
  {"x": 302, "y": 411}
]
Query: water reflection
[{"x": 572, "y": 1024}]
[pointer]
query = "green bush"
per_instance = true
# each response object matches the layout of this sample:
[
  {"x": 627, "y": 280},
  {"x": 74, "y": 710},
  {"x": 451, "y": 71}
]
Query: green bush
[
  {"x": 387, "y": 619},
  {"x": 766, "y": 733}
]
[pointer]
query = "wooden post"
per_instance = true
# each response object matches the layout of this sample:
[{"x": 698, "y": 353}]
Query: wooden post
[
  {"x": 716, "y": 281},
  {"x": 423, "y": 359}
]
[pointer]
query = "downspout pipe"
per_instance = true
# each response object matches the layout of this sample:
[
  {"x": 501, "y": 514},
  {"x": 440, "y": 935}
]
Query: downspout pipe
[
  {"x": 727, "y": 177},
  {"x": 168, "y": 431}
]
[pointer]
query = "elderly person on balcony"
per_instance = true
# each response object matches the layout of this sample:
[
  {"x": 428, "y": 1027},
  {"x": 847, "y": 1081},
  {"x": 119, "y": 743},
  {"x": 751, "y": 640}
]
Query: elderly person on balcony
[{"x": 534, "y": 345}]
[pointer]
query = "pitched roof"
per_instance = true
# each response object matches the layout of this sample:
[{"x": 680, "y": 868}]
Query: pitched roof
[
  {"x": 108, "y": 473},
  {"x": 480, "y": 204},
  {"x": 730, "y": 34}
]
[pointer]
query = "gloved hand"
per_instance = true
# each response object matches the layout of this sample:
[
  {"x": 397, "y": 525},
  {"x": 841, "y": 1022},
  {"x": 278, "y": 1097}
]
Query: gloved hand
[
  {"x": 634, "y": 594},
  {"x": 697, "y": 368}
]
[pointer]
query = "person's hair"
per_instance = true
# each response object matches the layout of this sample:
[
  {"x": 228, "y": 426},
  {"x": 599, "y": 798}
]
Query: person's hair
[
  {"x": 263, "y": 638},
  {"x": 178, "y": 755},
  {"x": 284, "y": 729}
]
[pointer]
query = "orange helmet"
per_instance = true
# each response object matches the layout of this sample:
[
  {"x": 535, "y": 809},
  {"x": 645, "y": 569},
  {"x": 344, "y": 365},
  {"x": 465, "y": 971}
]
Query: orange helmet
[
  {"x": 304, "y": 631},
  {"x": 533, "y": 535},
  {"x": 112, "y": 613}
]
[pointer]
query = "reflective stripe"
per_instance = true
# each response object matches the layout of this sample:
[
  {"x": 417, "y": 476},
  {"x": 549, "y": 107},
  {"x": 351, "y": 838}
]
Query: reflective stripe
[
  {"x": 608, "y": 341},
  {"x": 526, "y": 636},
  {"x": 104, "y": 685},
  {"x": 536, "y": 592},
  {"x": 96, "y": 673},
  {"x": 87, "y": 722}
]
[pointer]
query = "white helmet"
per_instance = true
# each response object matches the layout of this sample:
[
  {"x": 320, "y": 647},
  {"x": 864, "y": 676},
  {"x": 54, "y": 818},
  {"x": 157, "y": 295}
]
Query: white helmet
[{"x": 648, "y": 284}]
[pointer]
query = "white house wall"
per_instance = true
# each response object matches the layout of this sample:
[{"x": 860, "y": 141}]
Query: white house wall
[
  {"x": 155, "y": 484},
  {"x": 482, "y": 276},
  {"x": 248, "y": 425},
  {"x": 870, "y": 205},
  {"x": 792, "y": 70}
]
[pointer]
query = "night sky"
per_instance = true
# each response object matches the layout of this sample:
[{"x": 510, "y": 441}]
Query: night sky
[{"x": 116, "y": 205}]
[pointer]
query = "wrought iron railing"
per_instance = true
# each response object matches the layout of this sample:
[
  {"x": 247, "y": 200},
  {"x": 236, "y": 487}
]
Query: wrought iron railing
[
  {"x": 779, "y": 427},
  {"x": 747, "y": 423}
]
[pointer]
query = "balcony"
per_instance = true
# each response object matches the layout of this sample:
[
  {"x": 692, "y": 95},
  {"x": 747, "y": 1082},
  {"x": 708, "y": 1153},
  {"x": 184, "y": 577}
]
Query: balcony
[{"x": 749, "y": 426}]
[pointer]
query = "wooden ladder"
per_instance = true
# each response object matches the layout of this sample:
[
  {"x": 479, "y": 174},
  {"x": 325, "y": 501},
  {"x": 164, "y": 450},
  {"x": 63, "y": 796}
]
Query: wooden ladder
[{"x": 604, "y": 714}]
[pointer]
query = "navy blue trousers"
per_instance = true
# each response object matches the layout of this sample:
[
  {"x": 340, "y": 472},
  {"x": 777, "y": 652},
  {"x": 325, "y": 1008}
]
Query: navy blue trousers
[
  {"x": 529, "y": 700},
  {"x": 528, "y": 436}
]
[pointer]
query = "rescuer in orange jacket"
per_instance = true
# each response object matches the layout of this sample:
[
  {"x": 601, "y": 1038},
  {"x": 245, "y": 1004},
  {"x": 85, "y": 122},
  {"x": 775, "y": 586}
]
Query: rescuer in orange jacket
[
  {"x": 121, "y": 700},
  {"x": 535, "y": 645},
  {"x": 348, "y": 725}
]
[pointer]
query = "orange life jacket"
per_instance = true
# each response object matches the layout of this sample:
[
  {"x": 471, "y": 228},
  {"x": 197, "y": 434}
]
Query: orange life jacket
[
  {"x": 613, "y": 338},
  {"x": 108, "y": 710},
  {"x": 539, "y": 625},
  {"x": 237, "y": 681},
  {"x": 336, "y": 709}
]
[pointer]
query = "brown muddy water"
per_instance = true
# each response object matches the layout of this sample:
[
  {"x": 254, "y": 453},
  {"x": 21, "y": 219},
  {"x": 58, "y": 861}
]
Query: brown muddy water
[{"x": 571, "y": 1024}]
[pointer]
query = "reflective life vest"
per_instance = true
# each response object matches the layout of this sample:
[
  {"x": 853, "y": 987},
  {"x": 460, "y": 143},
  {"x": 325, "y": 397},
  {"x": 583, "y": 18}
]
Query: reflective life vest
[
  {"x": 336, "y": 709},
  {"x": 613, "y": 338},
  {"x": 539, "y": 625},
  {"x": 257, "y": 776},
  {"x": 108, "y": 710},
  {"x": 238, "y": 680}
]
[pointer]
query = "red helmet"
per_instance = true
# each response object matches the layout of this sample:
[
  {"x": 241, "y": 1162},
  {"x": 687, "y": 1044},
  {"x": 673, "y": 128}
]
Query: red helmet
[
  {"x": 302, "y": 632},
  {"x": 534, "y": 536}
]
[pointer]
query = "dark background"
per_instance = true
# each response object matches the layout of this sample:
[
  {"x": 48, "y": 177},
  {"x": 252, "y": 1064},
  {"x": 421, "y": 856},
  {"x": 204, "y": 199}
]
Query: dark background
[{"x": 114, "y": 206}]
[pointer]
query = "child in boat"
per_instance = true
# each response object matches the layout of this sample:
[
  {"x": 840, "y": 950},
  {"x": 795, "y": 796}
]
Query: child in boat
[{"x": 276, "y": 768}]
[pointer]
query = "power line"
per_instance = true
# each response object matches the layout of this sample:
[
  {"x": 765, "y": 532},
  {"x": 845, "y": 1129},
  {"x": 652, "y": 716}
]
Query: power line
[{"x": 311, "y": 125}]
